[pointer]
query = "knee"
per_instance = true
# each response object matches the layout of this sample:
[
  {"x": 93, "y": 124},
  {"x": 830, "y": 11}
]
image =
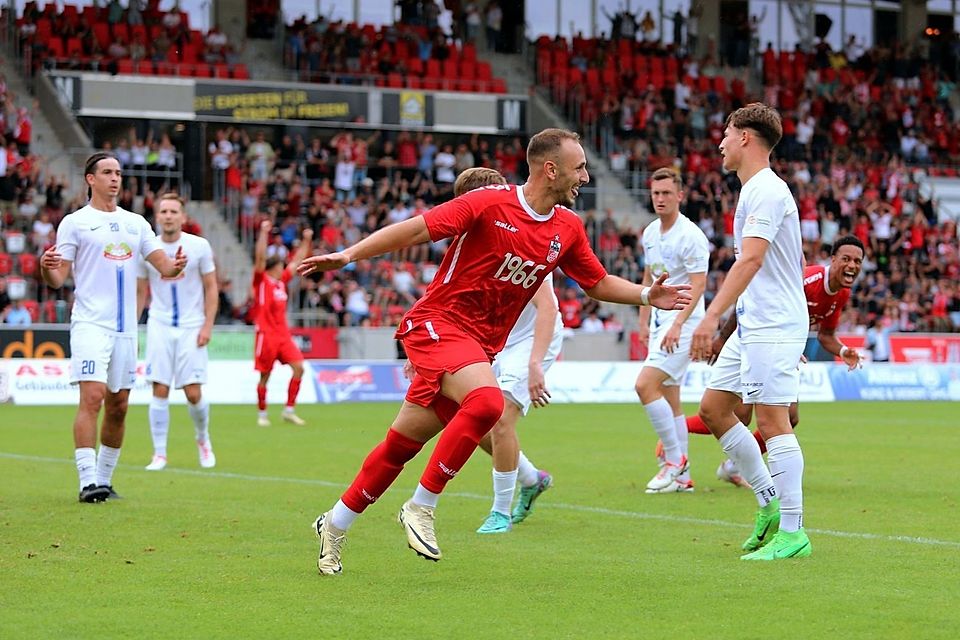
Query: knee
[
  {"x": 484, "y": 404},
  {"x": 501, "y": 430},
  {"x": 193, "y": 394},
  {"x": 116, "y": 410},
  {"x": 794, "y": 418},
  {"x": 297, "y": 369},
  {"x": 710, "y": 415},
  {"x": 92, "y": 399}
]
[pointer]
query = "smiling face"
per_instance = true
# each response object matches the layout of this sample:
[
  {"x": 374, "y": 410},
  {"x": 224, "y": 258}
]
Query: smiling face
[
  {"x": 569, "y": 172},
  {"x": 845, "y": 266}
]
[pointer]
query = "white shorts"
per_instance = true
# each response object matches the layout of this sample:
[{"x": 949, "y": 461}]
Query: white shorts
[
  {"x": 759, "y": 372},
  {"x": 173, "y": 355},
  {"x": 98, "y": 355},
  {"x": 512, "y": 368},
  {"x": 673, "y": 364}
]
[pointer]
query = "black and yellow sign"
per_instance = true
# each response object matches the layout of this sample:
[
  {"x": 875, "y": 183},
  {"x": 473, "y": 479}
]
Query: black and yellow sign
[{"x": 252, "y": 103}]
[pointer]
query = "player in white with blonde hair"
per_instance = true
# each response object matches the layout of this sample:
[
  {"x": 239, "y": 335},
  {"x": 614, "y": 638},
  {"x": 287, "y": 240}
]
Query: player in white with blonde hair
[
  {"x": 759, "y": 363},
  {"x": 101, "y": 242},
  {"x": 182, "y": 311},
  {"x": 671, "y": 244}
]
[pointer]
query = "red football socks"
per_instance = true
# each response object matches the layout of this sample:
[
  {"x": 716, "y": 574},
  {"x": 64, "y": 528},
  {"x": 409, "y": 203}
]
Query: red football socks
[
  {"x": 262, "y": 397},
  {"x": 479, "y": 411},
  {"x": 380, "y": 469},
  {"x": 293, "y": 389},
  {"x": 696, "y": 425}
]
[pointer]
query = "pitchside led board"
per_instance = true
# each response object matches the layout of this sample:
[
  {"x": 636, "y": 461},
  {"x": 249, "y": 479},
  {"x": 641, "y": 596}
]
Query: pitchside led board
[{"x": 185, "y": 99}]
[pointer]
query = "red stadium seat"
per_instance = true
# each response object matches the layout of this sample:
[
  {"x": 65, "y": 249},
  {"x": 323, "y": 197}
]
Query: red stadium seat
[
  {"x": 121, "y": 32},
  {"x": 34, "y": 308},
  {"x": 28, "y": 263},
  {"x": 240, "y": 72},
  {"x": 415, "y": 66},
  {"x": 221, "y": 71},
  {"x": 6, "y": 264},
  {"x": 74, "y": 47},
  {"x": 55, "y": 48},
  {"x": 202, "y": 70},
  {"x": 394, "y": 80},
  {"x": 484, "y": 72},
  {"x": 433, "y": 69}
]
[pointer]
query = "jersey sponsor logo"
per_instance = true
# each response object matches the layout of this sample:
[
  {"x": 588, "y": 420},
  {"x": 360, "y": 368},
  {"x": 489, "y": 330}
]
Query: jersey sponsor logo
[
  {"x": 118, "y": 251},
  {"x": 813, "y": 278},
  {"x": 505, "y": 225},
  {"x": 131, "y": 228},
  {"x": 554, "y": 251}
]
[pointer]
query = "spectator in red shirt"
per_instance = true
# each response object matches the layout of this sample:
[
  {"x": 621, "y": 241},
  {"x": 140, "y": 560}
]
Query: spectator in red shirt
[{"x": 570, "y": 309}]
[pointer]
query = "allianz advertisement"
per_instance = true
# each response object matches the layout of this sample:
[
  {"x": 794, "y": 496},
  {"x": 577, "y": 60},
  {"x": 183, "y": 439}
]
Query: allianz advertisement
[{"x": 31, "y": 381}]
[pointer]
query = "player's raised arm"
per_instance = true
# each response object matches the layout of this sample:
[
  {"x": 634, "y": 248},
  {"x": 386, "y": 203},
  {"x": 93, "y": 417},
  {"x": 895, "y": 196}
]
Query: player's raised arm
[
  {"x": 827, "y": 337},
  {"x": 303, "y": 251},
  {"x": 396, "y": 236},
  {"x": 260, "y": 248},
  {"x": 660, "y": 295}
]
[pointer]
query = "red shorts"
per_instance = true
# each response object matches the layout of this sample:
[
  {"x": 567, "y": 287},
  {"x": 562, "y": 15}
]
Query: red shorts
[
  {"x": 436, "y": 347},
  {"x": 269, "y": 349}
]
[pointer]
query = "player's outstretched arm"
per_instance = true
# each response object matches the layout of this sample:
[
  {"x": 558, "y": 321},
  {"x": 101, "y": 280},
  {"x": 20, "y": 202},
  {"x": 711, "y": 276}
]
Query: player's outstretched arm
[
  {"x": 739, "y": 276},
  {"x": 660, "y": 295},
  {"x": 167, "y": 266},
  {"x": 53, "y": 268},
  {"x": 397, "y": 236}
]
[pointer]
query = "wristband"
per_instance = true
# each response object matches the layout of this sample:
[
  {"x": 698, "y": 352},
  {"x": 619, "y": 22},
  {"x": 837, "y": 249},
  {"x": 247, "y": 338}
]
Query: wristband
[
  {"x": 645, "y": 297},
  {"x": 843, "y": 350}
]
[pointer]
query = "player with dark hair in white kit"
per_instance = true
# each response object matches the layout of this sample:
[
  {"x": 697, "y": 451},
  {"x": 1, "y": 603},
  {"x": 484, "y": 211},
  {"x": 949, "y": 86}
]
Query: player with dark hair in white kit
[{"x": 101, "y": 242}]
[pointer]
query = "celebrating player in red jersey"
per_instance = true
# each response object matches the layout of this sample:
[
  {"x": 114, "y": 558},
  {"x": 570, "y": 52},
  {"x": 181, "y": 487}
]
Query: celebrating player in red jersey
[
  {"x": 274, "y": 341},
  {"x": 827, "y": 290},
  {"x": 506, "y": 240}
]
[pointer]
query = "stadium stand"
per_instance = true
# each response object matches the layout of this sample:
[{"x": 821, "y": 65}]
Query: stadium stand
[{"x": 859, "y": 136}]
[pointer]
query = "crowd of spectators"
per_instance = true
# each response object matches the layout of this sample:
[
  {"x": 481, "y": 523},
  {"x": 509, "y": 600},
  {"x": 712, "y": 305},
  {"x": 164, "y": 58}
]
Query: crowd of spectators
[
  {"x": 138, "y": 38},
  {"x": 416, "y": 54}
]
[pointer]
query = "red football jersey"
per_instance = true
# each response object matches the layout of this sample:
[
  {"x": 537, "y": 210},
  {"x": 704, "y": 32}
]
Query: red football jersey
[
  {"x": 270, "y": 303},
  {"x": 501, "y": 252},
  {"x": 823, "y": 305}
]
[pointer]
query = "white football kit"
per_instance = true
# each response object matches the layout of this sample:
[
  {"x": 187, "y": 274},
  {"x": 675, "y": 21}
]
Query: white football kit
[
  {"x": 512, "y": 364},
  {"x": 681, "y": 251},
  {"x": 760, "y": 362},
  {"x": 177, "y": 314},
  {"x": 104, "y": 247}
]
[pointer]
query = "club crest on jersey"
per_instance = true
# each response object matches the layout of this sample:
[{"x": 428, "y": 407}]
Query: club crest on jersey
[{"x": 554, "y": 251}]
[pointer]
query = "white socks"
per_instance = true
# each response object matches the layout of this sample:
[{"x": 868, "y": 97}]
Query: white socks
[
  {"x": 786, "y": 468},
  {"x": 425, "y": 498},
  {"x": 527, "y": 474},
  {"x": 342, "y": 516},
  {"x": 741, "y": 447},
  {"x": 200, "y": 414},
  {"x": 159, "y": 424},
  {"x": 504, "y": 484},
  {"x": 106, "y": 462},
  {"x": 86, "y": 459},
  {"x": 661, "y": 415},
  {"x": 683, "y": 437}
]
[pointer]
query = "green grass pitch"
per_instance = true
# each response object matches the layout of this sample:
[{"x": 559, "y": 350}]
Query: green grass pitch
[{"x": 229, "y": 553}]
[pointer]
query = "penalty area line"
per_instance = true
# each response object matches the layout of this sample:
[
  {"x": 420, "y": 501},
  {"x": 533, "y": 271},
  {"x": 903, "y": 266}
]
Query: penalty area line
[{"x": 578, "y": 508}]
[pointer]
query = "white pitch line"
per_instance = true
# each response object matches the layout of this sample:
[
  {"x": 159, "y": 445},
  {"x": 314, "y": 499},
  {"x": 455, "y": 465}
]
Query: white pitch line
[{"x": 636, "y": 515}]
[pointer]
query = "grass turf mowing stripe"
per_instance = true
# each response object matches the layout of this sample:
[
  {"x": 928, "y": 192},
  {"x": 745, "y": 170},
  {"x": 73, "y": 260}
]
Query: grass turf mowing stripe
[{"x": 550, "y": 505}]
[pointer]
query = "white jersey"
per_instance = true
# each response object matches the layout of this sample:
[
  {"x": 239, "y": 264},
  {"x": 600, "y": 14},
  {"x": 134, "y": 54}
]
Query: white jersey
[
  {"x": 179, "y": 302},
  {"x": 682, "y": 250},
  {"x": 523, "y": 329},
  {"x": 103, "y": 246},
  {"x": 773, "y": 307}
]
